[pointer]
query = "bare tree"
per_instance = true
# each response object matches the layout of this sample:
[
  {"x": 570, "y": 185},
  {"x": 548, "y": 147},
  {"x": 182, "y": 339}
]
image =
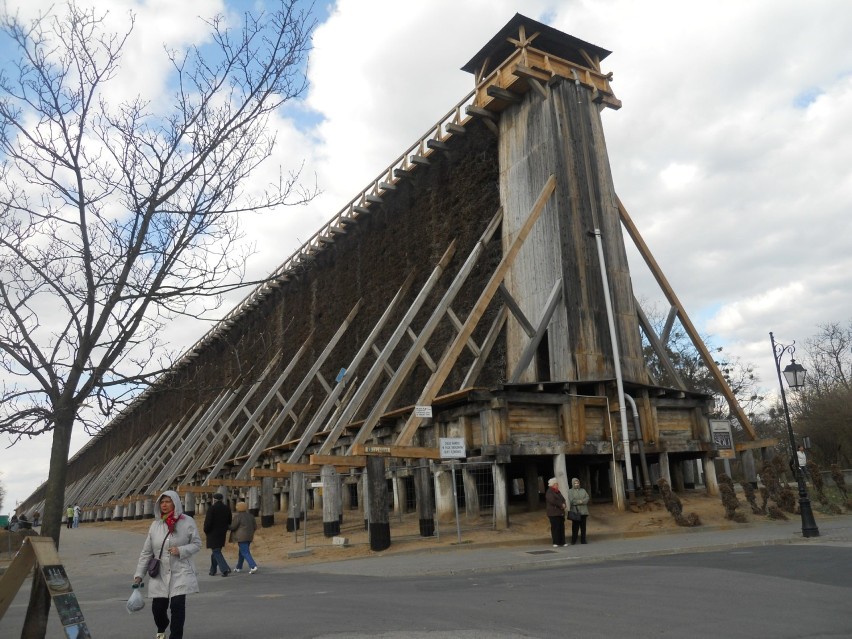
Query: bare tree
[
  {"x": 689, "y": 365},
  {"x": 115, "y": 219},
  {"x": 823, "y": 409}
]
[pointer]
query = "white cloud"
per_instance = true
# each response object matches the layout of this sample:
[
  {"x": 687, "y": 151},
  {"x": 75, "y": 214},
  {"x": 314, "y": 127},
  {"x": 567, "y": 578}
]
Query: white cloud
[{"x": 731, "y": 151}]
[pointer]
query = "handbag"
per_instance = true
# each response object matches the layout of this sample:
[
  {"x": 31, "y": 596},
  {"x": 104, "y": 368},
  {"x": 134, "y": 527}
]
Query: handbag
[
  {"x": 154, "y": 562},
  {"x": 574, "y": 514}
]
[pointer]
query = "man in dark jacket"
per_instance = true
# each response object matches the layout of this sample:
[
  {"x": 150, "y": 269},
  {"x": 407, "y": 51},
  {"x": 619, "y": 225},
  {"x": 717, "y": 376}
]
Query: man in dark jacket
[{"x": 216, "y": 523}]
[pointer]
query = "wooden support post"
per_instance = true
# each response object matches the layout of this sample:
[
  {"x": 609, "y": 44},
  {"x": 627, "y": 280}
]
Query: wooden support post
[
  {"x": 118, "y": 512},
  {"x": 131, "y": 511},
  {"x": 149, "y": 508},
  {"x": 531, "y": 485},
  {"x": 297, "y": 507},
  {"x": 676, "y": 470},
  {"x": 425, "y": 495},
  {"x": 140, "y": 508},
  {"x": 267, "y": 502},
  {"x": 501, "y": 496},
  {"x": 189, "y": 504},
  {"x": 380, "y": 538},
  {"x": 330, "y": 501}
]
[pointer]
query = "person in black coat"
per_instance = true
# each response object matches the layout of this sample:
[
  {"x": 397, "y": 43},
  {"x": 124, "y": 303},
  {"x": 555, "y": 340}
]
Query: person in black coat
[{"x": 216, "y": 523}]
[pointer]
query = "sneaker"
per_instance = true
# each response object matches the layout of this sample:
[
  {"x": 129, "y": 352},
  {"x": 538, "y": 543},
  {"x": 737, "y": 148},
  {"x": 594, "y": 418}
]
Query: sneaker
[
  {"x": 555, "y": 546},
  {"x": 238, "y": 569},
  {"x": 253, "y": 570},
  {"x": 160, "y": 635}
]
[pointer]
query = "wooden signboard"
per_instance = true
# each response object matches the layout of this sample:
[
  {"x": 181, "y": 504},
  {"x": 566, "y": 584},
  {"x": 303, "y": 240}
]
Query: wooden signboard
[{"x": 41, "y": 552}]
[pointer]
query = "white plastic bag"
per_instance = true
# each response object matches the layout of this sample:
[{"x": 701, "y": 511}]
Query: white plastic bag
[{"x": 136, "y": 602}]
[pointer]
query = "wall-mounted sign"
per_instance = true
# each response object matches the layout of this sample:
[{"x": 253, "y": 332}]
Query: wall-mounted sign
[
  {"x": 723, "y": 438},
  {"x": 423, "y": 411},
  {"x": 452, "y": 447}
]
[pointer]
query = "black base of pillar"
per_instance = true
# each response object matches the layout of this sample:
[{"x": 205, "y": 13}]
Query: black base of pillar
[
  {"x": 330, "y": 528},
  {"x": 138, "y": 517},
  {"x": 427, "y": 527},
  {"x": 121, "y": 518},
  {"x": 254, "y": 511},
  {"x": 99, "y": 519},
  {"x": 149, "y": 516},
  {"x": 267, "y": 521},
  {"x": 380, "y": 536},
  {"x": 366, "y": 524},
  {"x": 189, "y": 513},
  {"x": 691, "y": 485},
  {"x": 292, "y": 524}
]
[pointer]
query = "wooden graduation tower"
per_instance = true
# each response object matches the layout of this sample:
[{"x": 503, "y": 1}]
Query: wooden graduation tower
[{"x": 537, "y": 336}]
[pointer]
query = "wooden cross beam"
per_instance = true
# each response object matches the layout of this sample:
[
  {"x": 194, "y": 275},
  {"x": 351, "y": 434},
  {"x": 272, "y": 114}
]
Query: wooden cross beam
[
  {"x": 405, "y": 452},
  {"x": 347, "y": 461}
]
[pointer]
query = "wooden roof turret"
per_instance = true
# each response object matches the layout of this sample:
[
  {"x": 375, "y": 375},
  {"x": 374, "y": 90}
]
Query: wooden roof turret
[{"x": 526, "y": 50}]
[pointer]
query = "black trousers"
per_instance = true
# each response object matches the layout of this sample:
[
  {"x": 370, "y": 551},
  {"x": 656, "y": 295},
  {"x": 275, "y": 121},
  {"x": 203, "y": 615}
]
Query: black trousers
[
  {"x": 160, "y": 606},
  {"x": 579, "y": 526},
  {"x": 557, "y": 529}
]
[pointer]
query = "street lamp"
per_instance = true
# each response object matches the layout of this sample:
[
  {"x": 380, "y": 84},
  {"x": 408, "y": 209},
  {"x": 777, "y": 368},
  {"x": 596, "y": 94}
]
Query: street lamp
[{"x": 794, "y": 373}]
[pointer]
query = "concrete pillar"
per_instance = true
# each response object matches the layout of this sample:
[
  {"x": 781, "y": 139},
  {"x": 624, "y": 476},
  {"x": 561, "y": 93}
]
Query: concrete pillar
[
  {"x": 688, "y": 473},
  {"x": 331, "y": 501},
  {"x": 118, "y": 512},
  {"x": 616, "y": 480},
  {"x": 749, "y": 469},
  {"x": 471, "y": 494},
  {"x": 398, "y": 494},
  {"x": 665, "y": 471},
  {"x": 295, "y": 510},
  {"x": 425, "y": 493},
  {"x": 131, "y": 511},
  {"x": 346, "y": 496},
  {"x": 254, "y": 501},
  {"x": 445, "y": 510},
  {"x": 710, "y": 483},
  {"x": 501, "y": 496},
  {"x": 140, "y": 508},
  {"x": 560, "y": 471},
  {"x": 267, "y": 502}
]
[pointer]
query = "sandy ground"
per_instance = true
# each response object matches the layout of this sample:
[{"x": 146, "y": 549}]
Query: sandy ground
[{"x": 272, "y": 545}]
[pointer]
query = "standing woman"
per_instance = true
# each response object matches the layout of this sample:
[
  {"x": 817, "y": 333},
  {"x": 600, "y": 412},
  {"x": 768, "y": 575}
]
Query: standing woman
[
  {"x": 242, "y": 527},
  {"x": 174, "y": 539},
  {"x": 578, "y": 499},
  {"x": 555, "y": 509}
]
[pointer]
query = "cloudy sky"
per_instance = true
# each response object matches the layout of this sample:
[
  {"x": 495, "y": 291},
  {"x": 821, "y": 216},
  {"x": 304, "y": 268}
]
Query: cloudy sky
[{"x": 732, "y": 151}]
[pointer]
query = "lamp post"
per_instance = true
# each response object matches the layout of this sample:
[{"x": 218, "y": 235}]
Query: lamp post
[{"x": 794, "y": 373}]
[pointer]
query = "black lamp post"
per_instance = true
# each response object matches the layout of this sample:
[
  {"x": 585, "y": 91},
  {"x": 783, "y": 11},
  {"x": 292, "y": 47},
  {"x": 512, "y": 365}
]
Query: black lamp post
[{"x": 794, "y": 373}]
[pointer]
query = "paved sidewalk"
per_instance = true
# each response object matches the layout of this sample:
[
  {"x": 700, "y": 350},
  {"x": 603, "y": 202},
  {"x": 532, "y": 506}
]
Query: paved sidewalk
[
  {"x": 469, "y": 558},
  {"x": 111, "y": 553}
]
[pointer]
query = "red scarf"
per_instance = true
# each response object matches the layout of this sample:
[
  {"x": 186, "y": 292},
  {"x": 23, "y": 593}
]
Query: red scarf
[{"x": 171, "y": 520}]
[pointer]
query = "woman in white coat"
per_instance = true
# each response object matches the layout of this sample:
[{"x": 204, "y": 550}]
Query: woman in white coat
[{"x": 174, "y": 539}]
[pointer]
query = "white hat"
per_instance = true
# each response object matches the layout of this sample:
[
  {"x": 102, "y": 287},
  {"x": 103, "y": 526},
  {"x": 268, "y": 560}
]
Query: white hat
[{"x": 552, "y": 481}]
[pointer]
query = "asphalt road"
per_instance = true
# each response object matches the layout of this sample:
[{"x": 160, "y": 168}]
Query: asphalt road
[{"x": 782, "y": 591}]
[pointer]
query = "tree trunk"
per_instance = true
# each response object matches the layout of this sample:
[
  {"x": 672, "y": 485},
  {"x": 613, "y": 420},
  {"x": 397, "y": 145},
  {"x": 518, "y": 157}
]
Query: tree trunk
[{"x": 35, "y": 624}]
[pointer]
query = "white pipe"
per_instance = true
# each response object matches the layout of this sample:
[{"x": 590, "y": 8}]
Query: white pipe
[{"x": 622, "y": 410}]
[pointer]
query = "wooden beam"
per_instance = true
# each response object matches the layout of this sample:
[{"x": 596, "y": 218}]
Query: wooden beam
[
  {"x": 757, "y": 443},
  {"x": 449, "y": 359},
  {"x": 454, "y": 128},
  {"x": 685, "y": 321},
  {"x": 502, "y": 94},
  {"x": 405, "y": 452},
  {"x": 347, "y": 461},
  {"x": 437, "y": 144}
]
